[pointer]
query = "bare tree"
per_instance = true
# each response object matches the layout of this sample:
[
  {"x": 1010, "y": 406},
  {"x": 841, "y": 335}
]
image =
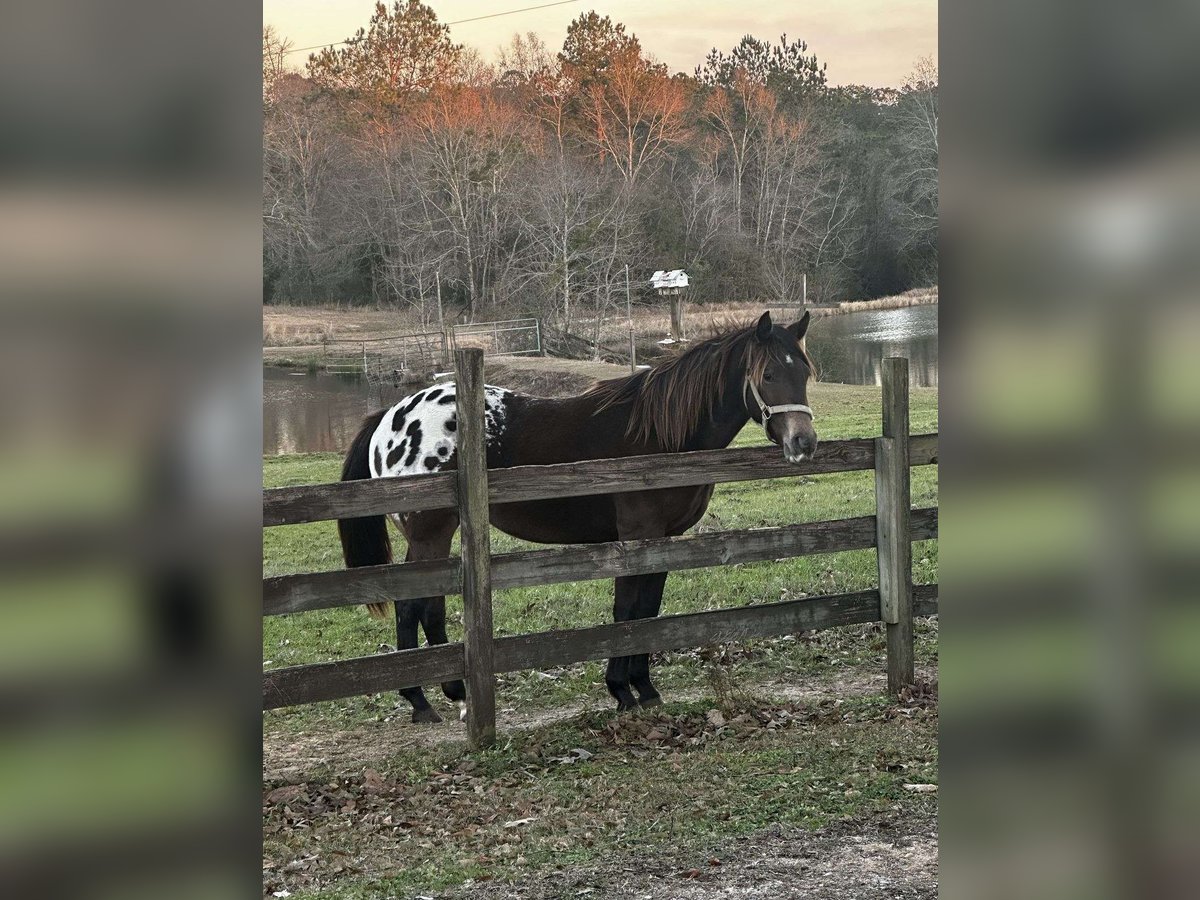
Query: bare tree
[
  {"x": 468, "y": 145},
  {"x": 801, "y": 205},
  {"x": 704, "y": 200},
  {"x": 568, "y": 206},
  {"x": 917, "y": 169},
  {"x": 275, "y": 50},
  {"x": 303, "y": 161},
  {"x": 637, "y": 114},
  {"x": 523, "y": 58},
  {"x": 740, "y": 114}
]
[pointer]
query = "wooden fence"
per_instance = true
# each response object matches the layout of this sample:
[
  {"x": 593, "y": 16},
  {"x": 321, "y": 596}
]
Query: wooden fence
[{"x": 470, "y": 489}]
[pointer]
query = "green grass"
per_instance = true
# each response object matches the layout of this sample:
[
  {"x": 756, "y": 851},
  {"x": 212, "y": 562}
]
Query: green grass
[
  {"x": 843, "y": 411},
  {"x": 310, "y": 362}
]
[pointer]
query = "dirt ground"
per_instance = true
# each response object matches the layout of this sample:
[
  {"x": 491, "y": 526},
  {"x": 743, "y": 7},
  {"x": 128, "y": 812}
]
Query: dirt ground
[
  {"x": 890, "y": 853},
  {"x": 549, "y": 376},
  {"x": 890, "y": 857},
  {"x": 287, "y": 754}
]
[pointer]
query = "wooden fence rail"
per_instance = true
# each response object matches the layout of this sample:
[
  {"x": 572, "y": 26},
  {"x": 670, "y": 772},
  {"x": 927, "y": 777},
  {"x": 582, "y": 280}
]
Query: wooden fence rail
[
  {"x": 472, "y": 487},
  {"x": 285, "y": 594},
  {"x": 429, "y": 665},
  {"x": 317, "y": 502}
]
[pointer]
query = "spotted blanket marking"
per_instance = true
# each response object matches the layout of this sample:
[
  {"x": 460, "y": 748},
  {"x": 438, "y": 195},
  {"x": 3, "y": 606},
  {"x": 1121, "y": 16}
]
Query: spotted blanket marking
[{"x": 419, "y": 434}]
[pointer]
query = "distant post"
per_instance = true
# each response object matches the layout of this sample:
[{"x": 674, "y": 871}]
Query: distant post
[
  {"x": 892, "y": 504},
  {"x": 476, "y": 550},
  {"x": 629, "y": 314},
  {"x": 442, "y": 320}
]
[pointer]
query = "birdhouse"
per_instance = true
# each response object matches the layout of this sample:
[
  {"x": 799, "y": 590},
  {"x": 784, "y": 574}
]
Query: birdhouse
[{"x": 668, "y": 284}]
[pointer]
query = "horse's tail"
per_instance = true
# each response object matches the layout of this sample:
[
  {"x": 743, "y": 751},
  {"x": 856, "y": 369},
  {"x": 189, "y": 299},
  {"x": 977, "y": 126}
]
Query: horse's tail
[{"x": 365, "y": 540}]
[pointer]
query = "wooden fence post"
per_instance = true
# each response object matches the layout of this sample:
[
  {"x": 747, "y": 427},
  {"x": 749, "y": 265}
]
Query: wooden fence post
[
  {"x": 892, "y": 503},
  {"x": 476, "y": 550}
]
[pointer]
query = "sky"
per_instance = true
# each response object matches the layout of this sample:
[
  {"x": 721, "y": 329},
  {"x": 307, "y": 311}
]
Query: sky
[{"x": 873, "y": 42}]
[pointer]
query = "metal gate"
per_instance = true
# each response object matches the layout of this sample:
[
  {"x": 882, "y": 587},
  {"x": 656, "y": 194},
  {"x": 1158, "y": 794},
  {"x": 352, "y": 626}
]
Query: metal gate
[
  {"x": 389, "y": 360},
  {"x": 509, "y": 337}
]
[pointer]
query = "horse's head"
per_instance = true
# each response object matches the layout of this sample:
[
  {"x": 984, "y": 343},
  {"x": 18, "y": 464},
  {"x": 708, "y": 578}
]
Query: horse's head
[{"x": 777, "y": 387}]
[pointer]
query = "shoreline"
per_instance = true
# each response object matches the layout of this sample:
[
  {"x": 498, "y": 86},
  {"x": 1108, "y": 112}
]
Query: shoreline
[
  {"x": 310, "y": 355},
  {"x": 852, "y": 306}
]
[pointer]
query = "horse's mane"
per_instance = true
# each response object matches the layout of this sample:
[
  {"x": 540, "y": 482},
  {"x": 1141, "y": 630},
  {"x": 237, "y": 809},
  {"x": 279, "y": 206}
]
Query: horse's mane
[{"x": 671, "y": 400}]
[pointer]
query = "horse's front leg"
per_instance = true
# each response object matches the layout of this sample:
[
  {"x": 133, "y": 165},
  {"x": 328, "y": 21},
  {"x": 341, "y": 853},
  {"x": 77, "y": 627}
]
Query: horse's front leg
[
  {"x": 640, "y": 514},
  {"x": 649, "y": 602},
  {"x": 617, "y": 677}
]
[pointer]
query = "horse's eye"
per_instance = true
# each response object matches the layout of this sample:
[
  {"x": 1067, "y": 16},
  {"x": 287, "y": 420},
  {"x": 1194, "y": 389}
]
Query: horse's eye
[{"x": 768, "y": 375}]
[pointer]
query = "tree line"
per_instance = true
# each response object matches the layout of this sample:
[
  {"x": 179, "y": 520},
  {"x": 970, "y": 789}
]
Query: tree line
[{"x": 401, "y": 166}]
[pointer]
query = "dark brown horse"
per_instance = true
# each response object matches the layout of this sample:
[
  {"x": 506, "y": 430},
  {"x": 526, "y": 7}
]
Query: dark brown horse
[{"x": 698, "y": 400}]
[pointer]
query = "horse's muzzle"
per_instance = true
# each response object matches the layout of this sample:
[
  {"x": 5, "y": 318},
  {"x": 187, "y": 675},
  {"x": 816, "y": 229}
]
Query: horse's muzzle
[{"x": 800, "y": 447}]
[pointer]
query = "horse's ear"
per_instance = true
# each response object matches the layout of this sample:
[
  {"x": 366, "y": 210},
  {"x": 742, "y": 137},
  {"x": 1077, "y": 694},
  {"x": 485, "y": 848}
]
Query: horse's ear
[
  {"x": 799, "y": 328},
  {"x": 762, "y": 330}
]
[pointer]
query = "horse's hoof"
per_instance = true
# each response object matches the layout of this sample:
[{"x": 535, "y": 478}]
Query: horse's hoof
[
  {"x": 652, "y": 700},
  {"x": 627, "y": 707},
  {"x": 428, "y": 716}
]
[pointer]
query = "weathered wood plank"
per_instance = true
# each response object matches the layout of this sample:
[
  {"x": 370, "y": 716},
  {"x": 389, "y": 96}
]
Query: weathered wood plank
[
  {"x": 319, "y": 590},
  {"x": 375, "y": 496},
  {"x": 556, "y": 648},
  {"x": 478, "y": 655},
  {"x": 639, "y": 473},
  {"x": 283, "y": 594},
  {"x": 892, "y": 503},
  {"x": 925, "y": 599},
  {"x": 923, "y": 449},
  {"x": 411, "y": 668},
  {"x": 317, "y": 502},
  {"x": 361, "y": 675}
]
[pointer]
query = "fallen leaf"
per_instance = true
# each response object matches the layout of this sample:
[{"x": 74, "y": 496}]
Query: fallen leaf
[
  {"x": 515, "y": 823},
  {"x": 281, "y": 794},
  {"x": 922, "y": 788}
]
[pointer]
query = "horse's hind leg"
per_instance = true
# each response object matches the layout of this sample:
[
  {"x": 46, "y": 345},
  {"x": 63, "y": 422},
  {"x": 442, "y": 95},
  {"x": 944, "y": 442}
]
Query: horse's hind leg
[
  {"x": 429, "y": 537},
  {"x": 433, "y": 620},
  {"x": 408, "y": 614},
  {"x": 649, "y": 602}
]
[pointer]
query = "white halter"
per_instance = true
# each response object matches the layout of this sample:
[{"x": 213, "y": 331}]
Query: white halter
[{"x": 768, "y": 411}]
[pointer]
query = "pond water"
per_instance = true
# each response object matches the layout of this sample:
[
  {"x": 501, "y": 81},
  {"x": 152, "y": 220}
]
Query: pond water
[
  {"x": 850, "y": 349},
  {"x": 306, "y": 412}
]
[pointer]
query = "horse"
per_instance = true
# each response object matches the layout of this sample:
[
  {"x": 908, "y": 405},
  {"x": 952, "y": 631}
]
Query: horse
[{"x": 697, "y": 400}]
